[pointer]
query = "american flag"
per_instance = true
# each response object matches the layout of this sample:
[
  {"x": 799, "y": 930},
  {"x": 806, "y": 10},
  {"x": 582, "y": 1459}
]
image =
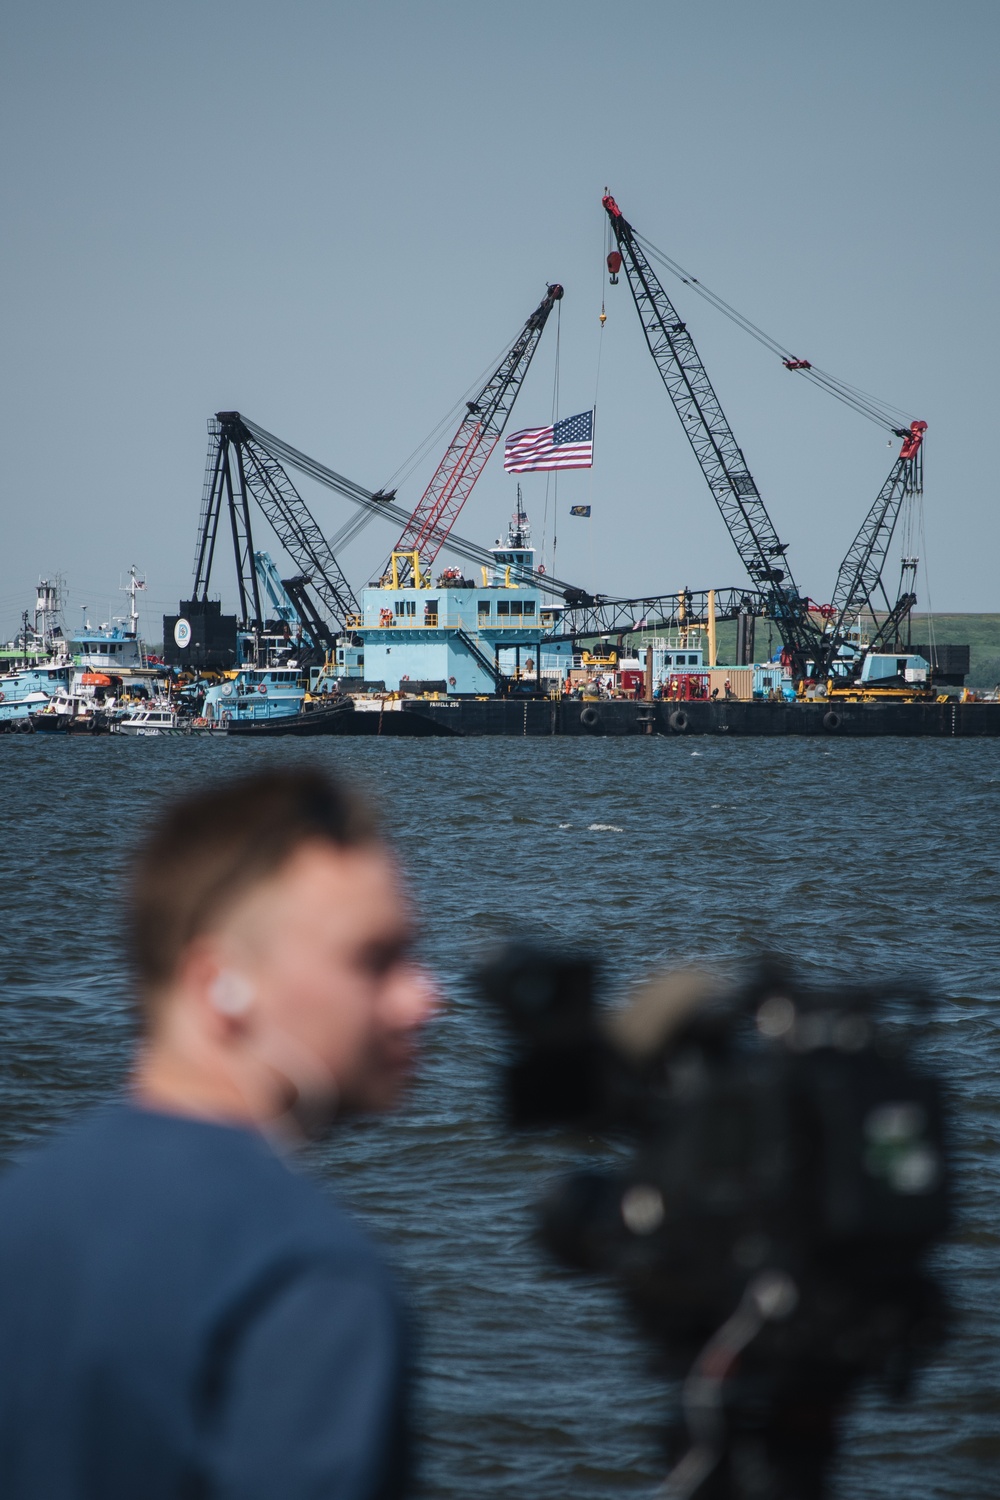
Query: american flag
[{"x": 568, "y": 444}]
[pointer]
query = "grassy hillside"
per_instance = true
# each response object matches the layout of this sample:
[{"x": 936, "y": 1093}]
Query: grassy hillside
[{"x": 980, "y": 632}]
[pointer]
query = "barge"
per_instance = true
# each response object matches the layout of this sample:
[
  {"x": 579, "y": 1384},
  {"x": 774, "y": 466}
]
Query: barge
[{"x": 516, "y": 718}]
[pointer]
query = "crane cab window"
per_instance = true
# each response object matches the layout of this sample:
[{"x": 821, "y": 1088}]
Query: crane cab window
[
  {"x": 406, "y": 607},
  {"x": 529, "y": 606},
  {"x": 515, "y": 606},
  {"x": 503, "y": 606},
  {"x": 484, "y": 608}
]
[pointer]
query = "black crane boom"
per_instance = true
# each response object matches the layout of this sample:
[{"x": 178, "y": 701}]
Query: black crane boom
[
  {"x": 861, "y": 571},
  {"x": 239, "y": 469},
  {"x": 716, "y": 449},
  {"x": 381, "y": 504}
]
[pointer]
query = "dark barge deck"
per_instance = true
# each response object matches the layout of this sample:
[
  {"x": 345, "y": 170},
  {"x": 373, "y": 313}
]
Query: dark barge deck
[{"x": 522, "y": 717}]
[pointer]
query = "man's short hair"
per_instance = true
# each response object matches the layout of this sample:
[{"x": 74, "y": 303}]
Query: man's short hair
[{"x": 206, "y": 850}]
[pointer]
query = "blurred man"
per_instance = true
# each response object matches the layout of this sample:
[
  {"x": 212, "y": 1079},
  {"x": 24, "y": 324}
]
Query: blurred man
[{"x": 181, "y": 1315}]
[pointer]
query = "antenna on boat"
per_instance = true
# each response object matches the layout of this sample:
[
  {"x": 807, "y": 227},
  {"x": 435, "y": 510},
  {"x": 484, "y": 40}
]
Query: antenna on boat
[{"x": 135, "y": 583}]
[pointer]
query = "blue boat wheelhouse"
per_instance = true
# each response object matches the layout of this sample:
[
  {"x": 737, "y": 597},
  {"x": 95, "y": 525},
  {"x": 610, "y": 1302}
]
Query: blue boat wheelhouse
[
  {"x": 28, "y": 690},
  {"x": 254, "y": 693},
  {"x": 453, "y": 634}
]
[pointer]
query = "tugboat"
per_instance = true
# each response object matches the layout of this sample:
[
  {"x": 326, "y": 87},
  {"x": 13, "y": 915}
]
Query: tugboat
[
  {"x": 27, "y": 691},
  {"x": 83, "y": 708},
  {"x": 254, "y": 695},
  {"x": 36, "y": 663}
]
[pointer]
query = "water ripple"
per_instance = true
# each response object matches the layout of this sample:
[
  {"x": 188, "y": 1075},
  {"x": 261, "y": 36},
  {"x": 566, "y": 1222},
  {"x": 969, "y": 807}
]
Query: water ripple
[{"x": 877, "y": 856}]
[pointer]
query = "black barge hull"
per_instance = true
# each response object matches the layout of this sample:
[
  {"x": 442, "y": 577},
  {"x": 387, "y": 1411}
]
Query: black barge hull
[
  {"x": 343, "y": 719},
  {"x": 518, "y": 718}
]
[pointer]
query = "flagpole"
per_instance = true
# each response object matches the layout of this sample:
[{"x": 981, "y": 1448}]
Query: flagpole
[{"x": 555, "y": 516}]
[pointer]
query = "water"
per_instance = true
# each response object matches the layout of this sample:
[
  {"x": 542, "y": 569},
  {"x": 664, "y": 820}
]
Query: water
[{"x": 873, "y": 856}]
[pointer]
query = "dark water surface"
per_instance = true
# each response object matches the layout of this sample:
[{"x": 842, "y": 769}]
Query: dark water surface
[{"x": 861, "y": 854}]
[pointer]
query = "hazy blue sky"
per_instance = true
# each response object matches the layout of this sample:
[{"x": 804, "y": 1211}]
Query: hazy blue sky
[{"x": 331, "y": 216}]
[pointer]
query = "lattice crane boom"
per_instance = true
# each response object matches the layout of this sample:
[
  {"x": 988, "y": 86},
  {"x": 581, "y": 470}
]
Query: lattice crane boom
[
  {"x": 478, "y": 434},
  {"x": 378, "y": 503},
  {"x": 861, "y": 571},
  {"x": 240, "y": 469},
  {"x": 719, "y": 455}
]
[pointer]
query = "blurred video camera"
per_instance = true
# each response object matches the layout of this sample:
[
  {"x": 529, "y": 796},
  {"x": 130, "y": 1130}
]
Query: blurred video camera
[{"x": 785, "y": 1182}]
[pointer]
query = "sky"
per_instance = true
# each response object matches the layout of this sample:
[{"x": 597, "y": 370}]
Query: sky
[{"x": 331, "y": 217}]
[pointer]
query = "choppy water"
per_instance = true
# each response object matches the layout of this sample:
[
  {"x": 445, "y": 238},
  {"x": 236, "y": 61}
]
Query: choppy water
[{"x": 859, "y": 853}]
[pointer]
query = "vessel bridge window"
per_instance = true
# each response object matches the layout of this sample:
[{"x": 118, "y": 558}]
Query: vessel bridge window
[
  {"x": 406, "y": 606},
  {"x": 484, "y": 607},
  {"x": 529, "y": 606}
]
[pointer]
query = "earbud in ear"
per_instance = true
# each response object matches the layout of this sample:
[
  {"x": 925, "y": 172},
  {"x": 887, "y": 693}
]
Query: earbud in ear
[{"x": 231, "y": 993}]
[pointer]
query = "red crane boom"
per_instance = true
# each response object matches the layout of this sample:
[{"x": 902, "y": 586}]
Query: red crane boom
[{"x": 478, "y": 434}]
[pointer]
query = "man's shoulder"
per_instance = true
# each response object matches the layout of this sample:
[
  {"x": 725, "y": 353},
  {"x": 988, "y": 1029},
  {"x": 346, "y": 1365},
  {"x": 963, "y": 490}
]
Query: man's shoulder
[{"x": 119, "y": 1164}]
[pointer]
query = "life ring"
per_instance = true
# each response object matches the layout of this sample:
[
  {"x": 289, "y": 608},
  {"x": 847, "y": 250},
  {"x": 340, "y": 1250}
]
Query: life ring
[
  {"x": 678, "y": 721},
  {"x": 1, "y": 697},
  {"x": 831, "y": 720},
  {"x": 589, "y": 718},
  {"x": 262, "y": 687}
]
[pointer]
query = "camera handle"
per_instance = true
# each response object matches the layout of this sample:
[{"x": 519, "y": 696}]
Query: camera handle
[{"x": 770, "y": 1297}]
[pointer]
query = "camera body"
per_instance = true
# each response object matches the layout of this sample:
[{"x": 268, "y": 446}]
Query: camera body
[{"x": 775, "y": 1130}]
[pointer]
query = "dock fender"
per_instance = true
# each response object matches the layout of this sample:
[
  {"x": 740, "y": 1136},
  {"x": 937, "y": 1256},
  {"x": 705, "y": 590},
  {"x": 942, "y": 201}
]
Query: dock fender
[
  {"x": 589, "y": 717},
  {"x": 678, "y": 721},
  {"x": 831, "y": 720}
]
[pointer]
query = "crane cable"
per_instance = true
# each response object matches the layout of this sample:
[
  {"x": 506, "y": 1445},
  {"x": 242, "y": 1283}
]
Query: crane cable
[
  {"x": 552, "y": 477},
  {"x": 355, "y": 524},
  {"x": 883, "y": 413}
]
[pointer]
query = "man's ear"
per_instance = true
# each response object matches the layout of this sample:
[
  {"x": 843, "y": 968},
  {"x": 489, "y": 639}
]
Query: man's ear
[
  {"x": 231, "y": 993},
  {"x": 221, "y": 994}
]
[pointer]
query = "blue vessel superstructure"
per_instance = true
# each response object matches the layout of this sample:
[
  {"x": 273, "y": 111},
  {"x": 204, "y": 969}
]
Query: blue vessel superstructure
[
  {"x": 106, "y": 648},
  {"x": 27, "y": 690},
  {"x": 254, "y": 693},
  {"x": 451, "y": 631}
]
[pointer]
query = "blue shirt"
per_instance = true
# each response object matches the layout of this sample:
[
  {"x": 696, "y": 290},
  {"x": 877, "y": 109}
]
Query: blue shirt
[{"x": 183, "y": 1316}]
